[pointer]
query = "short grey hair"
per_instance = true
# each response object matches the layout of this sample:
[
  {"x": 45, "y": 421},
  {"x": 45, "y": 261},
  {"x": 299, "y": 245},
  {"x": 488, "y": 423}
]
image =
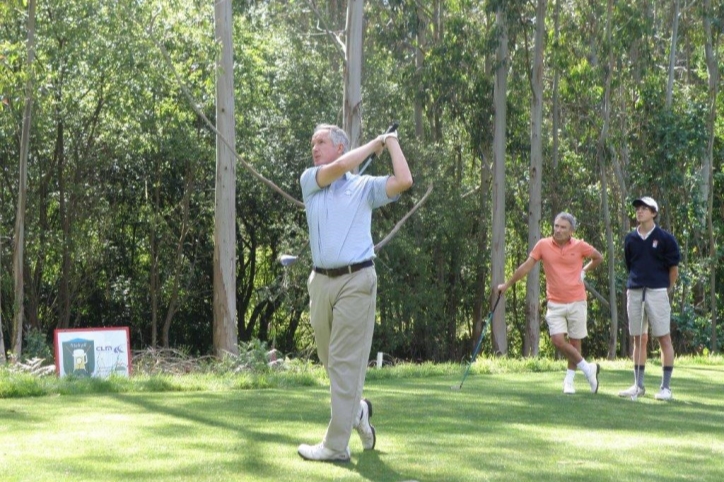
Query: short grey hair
[
  {"x": 336, "y": 134},
  {"x": 568, "y": 217}
]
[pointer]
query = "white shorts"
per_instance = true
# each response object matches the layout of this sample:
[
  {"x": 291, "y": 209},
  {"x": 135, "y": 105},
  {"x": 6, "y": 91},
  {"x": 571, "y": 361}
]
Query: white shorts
[
  {"x": 657, "y": 312},
  {"x": 568, "y": 318}
]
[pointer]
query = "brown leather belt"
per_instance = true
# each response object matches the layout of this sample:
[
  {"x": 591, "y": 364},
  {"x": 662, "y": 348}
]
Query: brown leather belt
[{"x": 334, "y": 272}]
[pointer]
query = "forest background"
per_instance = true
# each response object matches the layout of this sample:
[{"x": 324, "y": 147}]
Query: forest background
[{"x": 511, "y": 110}]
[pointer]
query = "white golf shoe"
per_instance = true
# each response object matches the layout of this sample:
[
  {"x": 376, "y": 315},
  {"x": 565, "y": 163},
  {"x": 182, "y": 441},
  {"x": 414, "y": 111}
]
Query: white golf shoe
[
  {"x": 664, "y": 395},
  {"x": 320, "y": 453},
  {"x": 363, "y": 426},
  {"x": 632, "y": 391},
  {"x": 568, "y": 387},
  {"x": 592, "y": 375}
]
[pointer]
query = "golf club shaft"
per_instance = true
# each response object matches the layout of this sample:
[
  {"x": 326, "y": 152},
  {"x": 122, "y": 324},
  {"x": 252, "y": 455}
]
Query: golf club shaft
[
  {"x": 480, "y": 339},
  {"x": 393, "y": 127}
]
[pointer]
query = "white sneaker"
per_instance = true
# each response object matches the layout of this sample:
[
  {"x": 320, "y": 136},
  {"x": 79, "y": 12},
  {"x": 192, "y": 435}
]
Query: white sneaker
[
  {"x": 632, "y": 391},
  {"x": 320, "y": 453},
  {"x": 664, "y": 394},
  {"x": 363, "y": 426},
  {"x": 568, "y": 387},
  {"x": 592, "y": 375}
]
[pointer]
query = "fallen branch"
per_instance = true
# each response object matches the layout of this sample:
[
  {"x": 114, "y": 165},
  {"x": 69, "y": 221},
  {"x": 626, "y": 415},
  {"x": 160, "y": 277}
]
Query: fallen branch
[
  {"x": 249, "y": 167},
  {"x": 597, "y": 295},
  {"x": 399, "y": 224},
  {"x": 211, "y": 126}
]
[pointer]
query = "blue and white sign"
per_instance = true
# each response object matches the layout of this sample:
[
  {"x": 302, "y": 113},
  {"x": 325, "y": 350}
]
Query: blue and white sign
[{"x": 93, "y": 352}]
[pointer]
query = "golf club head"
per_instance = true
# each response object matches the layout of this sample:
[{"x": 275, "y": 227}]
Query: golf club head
[
  {"x": 287, "y": 259},
  {"x": 456, "y": 387}
]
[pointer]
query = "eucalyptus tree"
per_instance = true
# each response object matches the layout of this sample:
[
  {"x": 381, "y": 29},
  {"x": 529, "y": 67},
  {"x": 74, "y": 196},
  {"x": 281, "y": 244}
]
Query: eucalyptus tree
[
  {"x": 711, "y": 38},
  {"x": 352, "y": 109},
  {"x": 532, "y": 295},
  {"x": 19, "y": 234},
  {"x": 225, "y": 334},
  {"x": 498, "y": 329}
]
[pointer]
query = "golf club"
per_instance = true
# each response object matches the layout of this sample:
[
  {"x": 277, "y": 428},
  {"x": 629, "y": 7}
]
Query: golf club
[
  {"x": 635, "y": 396},
  {"x": 287, "y": 259},
  {"x": 480, "y": 342},
  {"x": 393, "y": 127}
]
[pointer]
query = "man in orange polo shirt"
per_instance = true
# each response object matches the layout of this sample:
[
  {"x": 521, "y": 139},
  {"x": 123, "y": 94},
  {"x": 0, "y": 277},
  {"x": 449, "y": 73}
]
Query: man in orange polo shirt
[{"x": 563, "y": 258}]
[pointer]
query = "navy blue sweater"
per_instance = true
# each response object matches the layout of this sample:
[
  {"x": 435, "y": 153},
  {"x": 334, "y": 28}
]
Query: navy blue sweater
[{"x": 648, "y": 260}]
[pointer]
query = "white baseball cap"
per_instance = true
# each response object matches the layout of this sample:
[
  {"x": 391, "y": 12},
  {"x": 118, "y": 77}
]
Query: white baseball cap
[{"x": 648, "y": 202}]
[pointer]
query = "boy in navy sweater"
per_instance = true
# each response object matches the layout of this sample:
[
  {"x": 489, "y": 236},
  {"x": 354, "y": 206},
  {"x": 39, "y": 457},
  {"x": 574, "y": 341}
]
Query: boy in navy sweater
[{"x": 652, "y": 260}]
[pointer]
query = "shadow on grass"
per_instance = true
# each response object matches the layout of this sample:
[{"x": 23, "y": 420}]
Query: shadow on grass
[{"x": 499, "y": 427}]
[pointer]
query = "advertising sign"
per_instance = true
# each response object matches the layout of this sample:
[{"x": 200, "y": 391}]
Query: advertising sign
[{"x": 93, "y": 352}]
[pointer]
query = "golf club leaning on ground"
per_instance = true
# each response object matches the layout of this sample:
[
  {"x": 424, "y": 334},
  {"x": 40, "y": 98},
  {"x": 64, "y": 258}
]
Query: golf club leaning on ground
[
  {"x": 290, "y": 259},
  {"x": 477, "y": 347}
]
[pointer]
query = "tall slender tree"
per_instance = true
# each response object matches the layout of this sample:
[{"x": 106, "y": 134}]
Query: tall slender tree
[
  {"x": 225, "y": 329},
  {"x": 353, "y": 72},
  {"x": 707, "y": 171},
  {"x": 532, "y": 289},
  {"x": 18, "y": 253},
  {"x": 499, "y": 329}
]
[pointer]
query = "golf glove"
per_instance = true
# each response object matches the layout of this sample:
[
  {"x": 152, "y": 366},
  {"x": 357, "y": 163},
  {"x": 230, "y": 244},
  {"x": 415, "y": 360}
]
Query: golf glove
[
  {"x": 385, "y": 136},
  {"x": 583, "y": 275}
]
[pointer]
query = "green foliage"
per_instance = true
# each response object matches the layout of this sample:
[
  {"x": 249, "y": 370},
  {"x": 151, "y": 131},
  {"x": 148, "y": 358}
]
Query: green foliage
[
  {"x": 21, "y": 384},
  {"x": 36, "y": 346},
  {"x": 117, "y": 151}
]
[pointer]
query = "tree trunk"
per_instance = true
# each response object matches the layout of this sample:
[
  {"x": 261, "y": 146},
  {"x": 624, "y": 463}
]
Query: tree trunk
[
  {"x": 482, "y": 275},
  {"x": 353, "y": 73},
  {"x": 19, "y": 247},
  {"x": 154, "y": 251},
  {"x": 65, "y": 225},
  {"x": 532, "y": 289},
  {"x": 225, "y": 336},
  {"x": 556, "y": 79},
  {"x": 419, "y": 65},
  {"x": 672, "y": 56},
  {"x": 3, "y": 359},
  {"x": 708, "y": 167},
  {"x": 175, "y": 280},
  {"x": 601, "y": 154},
  {"x": 499, "y": 329}
]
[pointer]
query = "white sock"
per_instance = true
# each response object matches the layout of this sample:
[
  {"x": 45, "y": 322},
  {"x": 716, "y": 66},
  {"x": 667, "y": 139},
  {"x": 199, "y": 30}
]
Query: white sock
[
  {"x": 570, "y": 374},
  {"x": 583, "y": 366}
]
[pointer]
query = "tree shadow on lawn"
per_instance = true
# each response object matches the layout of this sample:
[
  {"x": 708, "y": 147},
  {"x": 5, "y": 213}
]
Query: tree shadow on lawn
[
  {"x": 538, "y": 399},
  {"x": 522, "y": 427},
  {"x": 266, "y": 421},
  {"x": 425, "y": 421}
]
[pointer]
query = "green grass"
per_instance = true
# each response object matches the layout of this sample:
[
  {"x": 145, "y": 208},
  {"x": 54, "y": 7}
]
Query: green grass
[{"x": 510, "y": 422}]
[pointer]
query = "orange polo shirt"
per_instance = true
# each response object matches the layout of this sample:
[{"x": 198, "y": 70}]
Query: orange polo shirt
[{"x": 562, "y": 266}]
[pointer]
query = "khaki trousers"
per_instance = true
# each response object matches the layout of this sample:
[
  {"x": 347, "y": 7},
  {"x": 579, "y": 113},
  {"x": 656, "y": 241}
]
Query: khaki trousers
[{"x": 342, "y": 312}]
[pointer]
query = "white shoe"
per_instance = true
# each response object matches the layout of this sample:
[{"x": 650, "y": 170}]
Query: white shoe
[
  {"x": 320, "y": 453},
  {"x": 363, "y": 426},
  {"x": 664, "y": 394},
  {"x": 592, "y": 375},
  {"x": 568, "y": 387},
  {"x": 632, "y": 391}
]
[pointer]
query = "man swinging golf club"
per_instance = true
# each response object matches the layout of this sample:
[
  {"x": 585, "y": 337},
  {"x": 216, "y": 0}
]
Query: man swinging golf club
[
  {"x": 652, "y": 261},
  {"x": 562, "y": 257},
  {"x": 343, "y": 285}
]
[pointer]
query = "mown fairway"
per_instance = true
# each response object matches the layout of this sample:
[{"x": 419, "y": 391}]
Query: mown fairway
[{"x": 500, "y": 427}]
